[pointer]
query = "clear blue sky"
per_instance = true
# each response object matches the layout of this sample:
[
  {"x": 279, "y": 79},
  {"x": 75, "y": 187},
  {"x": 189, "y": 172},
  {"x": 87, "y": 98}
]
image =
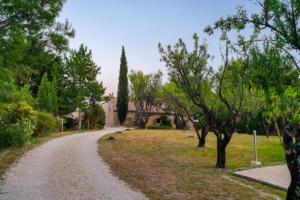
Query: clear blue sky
[{"x": 105, "y": 25}]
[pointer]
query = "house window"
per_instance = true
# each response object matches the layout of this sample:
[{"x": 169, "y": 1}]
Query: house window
[{"x": 158, "y": 121}]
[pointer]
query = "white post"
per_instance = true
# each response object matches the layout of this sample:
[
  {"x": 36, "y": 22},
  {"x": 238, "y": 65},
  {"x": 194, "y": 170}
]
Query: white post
[
  {"x": 254, "y": 146},
  {"x": 62, "y": 125},
  {"x": 255, "y": 162},
  {"x": 79, "y": 117}
]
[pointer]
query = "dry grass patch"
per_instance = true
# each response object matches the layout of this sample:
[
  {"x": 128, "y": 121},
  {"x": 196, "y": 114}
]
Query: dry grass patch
[{"x": 166, "y": 164}]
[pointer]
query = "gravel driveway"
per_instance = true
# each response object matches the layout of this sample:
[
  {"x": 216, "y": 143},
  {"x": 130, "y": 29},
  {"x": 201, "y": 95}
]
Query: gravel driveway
[{"x": 65, "y": 168}]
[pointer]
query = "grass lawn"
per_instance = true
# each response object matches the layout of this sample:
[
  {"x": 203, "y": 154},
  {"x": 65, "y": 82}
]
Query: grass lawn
[
  {"x": 164, "y": 164},
  {"x": 10, "y": 155}
]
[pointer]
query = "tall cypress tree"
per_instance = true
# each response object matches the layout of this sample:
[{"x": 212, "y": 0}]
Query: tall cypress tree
[
  {"x": 122, "y": 100},
  {"x": 53, "y": 96},
  {"x": 47, "y": 95},
  {"x": 43, "y": 92}
]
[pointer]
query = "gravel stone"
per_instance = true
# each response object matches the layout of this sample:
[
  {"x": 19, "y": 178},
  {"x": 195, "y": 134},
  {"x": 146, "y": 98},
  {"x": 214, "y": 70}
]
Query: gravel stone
[{"x": 66, "y": 168}]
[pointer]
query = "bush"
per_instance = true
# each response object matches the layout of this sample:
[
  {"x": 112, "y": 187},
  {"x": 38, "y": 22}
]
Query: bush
[
  {"x": 17, "y": 122},
  {"x": 9, "y": 93},
  {"x": 165, "y": 121},
  {"x": 96, "y": 119},
  {"x": 46, "y": 124},
  {"x": 159, "y": 127},
  {"x": 70, "y": 123}
]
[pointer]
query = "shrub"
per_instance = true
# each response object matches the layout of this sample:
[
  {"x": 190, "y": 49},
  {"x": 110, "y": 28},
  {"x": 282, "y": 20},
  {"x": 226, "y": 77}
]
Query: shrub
[
  {"x": 9, "y": 93},
  {"x": 46, "y": 124},
  {"x": 70, "y": 123},
  {"x": 96, "y": 119},
  {"x": 17, "y": 122}
]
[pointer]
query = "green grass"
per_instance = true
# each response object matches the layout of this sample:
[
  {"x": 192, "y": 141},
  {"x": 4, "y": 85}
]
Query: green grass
[{"x": 165, "y": 164}]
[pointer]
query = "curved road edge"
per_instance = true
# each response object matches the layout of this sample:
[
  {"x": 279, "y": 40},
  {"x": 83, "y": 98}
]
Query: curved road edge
[{"x": 66, "y": 168}]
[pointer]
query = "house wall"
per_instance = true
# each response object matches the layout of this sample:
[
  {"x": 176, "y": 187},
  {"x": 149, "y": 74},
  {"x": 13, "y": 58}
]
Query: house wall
[
  {"x": 111, "y": 116},
  {"x": 112, "y": 119},
  {"x": 153, "y": 118},
  {"x": 130, "y": 119}
]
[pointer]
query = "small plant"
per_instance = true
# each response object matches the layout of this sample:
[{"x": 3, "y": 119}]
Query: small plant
[{"x": 46, "y": 124}]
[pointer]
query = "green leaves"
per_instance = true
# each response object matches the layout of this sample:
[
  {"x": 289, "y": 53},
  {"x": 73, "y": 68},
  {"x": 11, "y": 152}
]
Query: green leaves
[
  {"x": 274, "y": 74},
  {"x": 291, "y": 105},
  {"x": 81, "y": 86},
  {"x": 145, "y": 92},
  {"x": 31, "y": 16},
  {"x": 285, "y": 106},
  {"x": 190, "y": 70},
  {"x": 177, "y": 101},
  {"x": 123, "y": 96},
  {"x": 17, "y": 122},
  {"x": 47, "y": 96},
  {"x": 279, "y": 17},
  {"x": 32, "y": 42}
]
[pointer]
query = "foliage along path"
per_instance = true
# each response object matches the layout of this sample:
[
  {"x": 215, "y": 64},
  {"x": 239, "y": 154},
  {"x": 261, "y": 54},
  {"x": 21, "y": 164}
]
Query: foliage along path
[{"x": 65, "y": 168}]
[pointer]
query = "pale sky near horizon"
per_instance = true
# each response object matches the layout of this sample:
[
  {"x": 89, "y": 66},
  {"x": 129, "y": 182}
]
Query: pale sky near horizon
[{"x": 105, "y": 25}]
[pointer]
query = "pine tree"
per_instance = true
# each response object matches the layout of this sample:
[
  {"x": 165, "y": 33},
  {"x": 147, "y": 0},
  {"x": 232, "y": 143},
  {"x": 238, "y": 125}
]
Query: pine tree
[
  {"x": 81, "y": 81},
  {"x": 122, "y": 99}
]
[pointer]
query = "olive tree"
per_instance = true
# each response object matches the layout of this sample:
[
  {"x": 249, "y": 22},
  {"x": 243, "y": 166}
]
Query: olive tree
[
  {"x": 177, "y": 101},
  {"x": 219, "y": 94},
  {"x": 276, "y": 75},
  {"x": 145, "y": 92},
  {"x": 281, "y": 20}
]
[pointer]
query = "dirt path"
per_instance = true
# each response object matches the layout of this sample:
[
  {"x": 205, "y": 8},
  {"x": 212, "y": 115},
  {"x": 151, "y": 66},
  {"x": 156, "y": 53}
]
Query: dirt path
[{"x": 65, "y": 168}]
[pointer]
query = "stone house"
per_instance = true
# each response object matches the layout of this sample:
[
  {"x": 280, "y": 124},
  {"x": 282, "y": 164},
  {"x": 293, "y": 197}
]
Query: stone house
[{"x": 112, "y": 119}]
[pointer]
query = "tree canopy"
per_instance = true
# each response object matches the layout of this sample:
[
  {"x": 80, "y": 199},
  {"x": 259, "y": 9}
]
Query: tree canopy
[
  {"x": 219, "y": 94},
  {"x": 145, "y": 92},
  {"x": 81, "y": 81}
]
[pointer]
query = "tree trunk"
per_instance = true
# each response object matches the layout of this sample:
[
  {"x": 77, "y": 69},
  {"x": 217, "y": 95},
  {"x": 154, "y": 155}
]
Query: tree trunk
[
  {"x": 293, "y": 163},
  {"x": 202, "y": 138},
  {"x": 201, "y": 143},
  {"x": 180, "y": 122},
  {"x": 142, "y": 125},
  {"x": 292, "y": 155},
  {"x": 141, "y": 120},
  {"x": 198, "y": 135},
  {"x": 221, "y": 151},
  {"x": 221, "y": 154},
  {"x": 79, "y": 118},
  {"x": 267, "y": 132}
]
